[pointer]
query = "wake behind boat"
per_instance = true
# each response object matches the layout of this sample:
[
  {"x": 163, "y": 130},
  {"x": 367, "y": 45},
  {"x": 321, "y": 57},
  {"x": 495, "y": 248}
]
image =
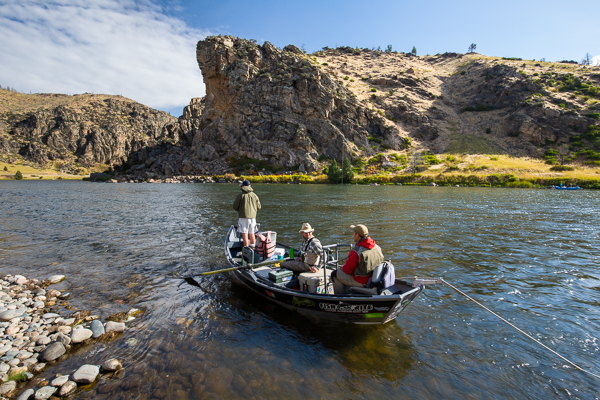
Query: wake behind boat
[{"x": 311, "y": 293}]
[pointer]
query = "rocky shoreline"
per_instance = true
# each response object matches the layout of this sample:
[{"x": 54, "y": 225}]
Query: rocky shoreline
[
  {"x": 31, "y": 337},
  {"x": 101, "y": 177}
]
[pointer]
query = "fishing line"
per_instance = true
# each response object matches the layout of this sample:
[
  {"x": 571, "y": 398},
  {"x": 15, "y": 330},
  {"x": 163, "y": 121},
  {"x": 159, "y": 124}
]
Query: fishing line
[{"x": 520, "y": 330}]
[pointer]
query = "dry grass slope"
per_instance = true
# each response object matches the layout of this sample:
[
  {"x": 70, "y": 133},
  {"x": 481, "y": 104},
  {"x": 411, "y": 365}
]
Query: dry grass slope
[{"x": 454, "y": 104}]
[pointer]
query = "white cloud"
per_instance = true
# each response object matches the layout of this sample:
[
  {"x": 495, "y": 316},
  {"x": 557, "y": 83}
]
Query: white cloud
[
  {"x": 124, "y": 47},
  {"x": 596, "y": 60}
]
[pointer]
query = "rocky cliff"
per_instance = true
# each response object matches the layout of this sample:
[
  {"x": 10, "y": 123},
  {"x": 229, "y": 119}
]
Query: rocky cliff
[
  {"x": 276, "y": 105},
  {"x": 80, "y": 130}
]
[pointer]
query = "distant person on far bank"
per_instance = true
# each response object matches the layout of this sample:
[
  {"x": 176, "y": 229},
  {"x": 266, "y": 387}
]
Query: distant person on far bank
[
  {"x": 310, "y": 252},
  {"x": 362, "y": 260},
  {"x": 247, "y": 205}
]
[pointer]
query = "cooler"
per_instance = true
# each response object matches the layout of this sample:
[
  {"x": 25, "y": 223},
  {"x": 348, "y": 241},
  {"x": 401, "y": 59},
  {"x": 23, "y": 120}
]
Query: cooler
[{"x": 314, "y": 282}]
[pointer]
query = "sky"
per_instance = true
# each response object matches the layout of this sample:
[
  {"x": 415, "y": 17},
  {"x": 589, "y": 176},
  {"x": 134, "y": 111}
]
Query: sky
[{"x": 145, "y": 49}]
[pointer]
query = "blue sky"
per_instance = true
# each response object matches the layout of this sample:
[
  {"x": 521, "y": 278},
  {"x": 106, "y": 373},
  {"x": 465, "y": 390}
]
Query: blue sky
[{"x": 145, "y": 49}]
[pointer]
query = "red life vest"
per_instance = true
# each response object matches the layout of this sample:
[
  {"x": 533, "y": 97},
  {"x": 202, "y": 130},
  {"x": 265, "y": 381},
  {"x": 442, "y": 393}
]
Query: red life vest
[{"x": 265, "y": 247}]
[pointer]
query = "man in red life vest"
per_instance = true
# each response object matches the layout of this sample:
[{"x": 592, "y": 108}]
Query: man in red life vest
[{"x": 362, "y": 260}]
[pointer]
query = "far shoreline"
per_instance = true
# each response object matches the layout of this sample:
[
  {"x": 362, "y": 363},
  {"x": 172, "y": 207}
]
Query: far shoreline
[{"x": 494, "y": 180}]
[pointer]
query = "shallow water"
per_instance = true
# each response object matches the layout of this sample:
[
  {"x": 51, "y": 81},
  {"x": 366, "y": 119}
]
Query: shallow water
[{"x": 530, "y": 255}]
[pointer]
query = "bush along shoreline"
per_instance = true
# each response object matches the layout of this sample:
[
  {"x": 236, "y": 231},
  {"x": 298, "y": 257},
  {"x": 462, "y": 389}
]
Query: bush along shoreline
[
  {"x": 494, "y": 180},
  {"x": 33, "y": 336}
]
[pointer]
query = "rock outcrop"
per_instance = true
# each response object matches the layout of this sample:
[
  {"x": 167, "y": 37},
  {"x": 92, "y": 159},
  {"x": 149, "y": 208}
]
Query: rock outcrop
[
  {"x": 82, "y": 129},
  {"x": 276, "y": 105}
]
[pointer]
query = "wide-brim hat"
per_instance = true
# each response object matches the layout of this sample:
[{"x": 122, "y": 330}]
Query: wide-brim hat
[
  {"x": 306, "y": 228},
  {"x": 360, "y": 230}
]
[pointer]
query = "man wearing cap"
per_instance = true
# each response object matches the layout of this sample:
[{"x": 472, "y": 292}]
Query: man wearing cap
[
  {"x": 247, "y": 205},
  {"x": 311, "y": 250},
  {"x": 362, "y": 260}
]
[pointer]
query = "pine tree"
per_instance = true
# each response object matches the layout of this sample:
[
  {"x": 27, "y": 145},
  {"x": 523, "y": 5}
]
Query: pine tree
[
  {"x": 414, "y": 51},
  {"x": 18, "y": 175},
  {"x": 334, "y": 173},
  {"x": 347, "y": 171},
  {"x": 472, "y": 48}
]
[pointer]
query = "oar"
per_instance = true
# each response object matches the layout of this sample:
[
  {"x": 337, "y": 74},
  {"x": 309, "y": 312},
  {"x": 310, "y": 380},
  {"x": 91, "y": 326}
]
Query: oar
[
  {"x": 193, "y": 282},
  {"x": 248, "y": 266}
]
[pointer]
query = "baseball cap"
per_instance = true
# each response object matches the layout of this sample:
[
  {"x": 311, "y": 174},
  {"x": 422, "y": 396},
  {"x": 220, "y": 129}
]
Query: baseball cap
[{"x": 361, "y": 230}]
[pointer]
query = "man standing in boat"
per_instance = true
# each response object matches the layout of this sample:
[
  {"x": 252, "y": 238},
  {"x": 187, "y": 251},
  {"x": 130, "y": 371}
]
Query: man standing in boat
[
  {"x": 247, "y": 205},
  {"x": 362, "y": 260},
  {"x": 311, "y": 251}
]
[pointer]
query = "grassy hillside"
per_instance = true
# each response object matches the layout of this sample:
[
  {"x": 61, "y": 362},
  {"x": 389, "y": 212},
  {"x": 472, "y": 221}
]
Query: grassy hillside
[{"x": 499, "y": 115}]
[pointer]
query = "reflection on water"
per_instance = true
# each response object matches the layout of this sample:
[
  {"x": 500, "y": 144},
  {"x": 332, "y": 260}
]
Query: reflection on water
[{"x": 530, "y": 255}]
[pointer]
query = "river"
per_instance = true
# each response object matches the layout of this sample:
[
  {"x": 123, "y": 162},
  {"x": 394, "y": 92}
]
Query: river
[{"x": 531, "y": 255}]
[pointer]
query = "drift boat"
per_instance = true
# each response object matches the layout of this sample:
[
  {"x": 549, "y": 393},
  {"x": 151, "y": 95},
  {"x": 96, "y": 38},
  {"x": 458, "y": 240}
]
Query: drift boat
[{"x": 361, "y": 306}]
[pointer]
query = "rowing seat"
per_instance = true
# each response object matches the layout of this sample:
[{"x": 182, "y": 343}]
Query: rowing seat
[{"x": 374, "y": 286}]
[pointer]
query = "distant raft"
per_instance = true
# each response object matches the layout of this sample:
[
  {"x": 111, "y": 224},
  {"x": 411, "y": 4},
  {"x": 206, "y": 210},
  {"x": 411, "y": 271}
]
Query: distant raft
[{"x": 567, "y": 187}]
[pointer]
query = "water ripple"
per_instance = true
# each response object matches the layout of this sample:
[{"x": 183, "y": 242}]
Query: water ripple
[{"x": 530, "y": 255}]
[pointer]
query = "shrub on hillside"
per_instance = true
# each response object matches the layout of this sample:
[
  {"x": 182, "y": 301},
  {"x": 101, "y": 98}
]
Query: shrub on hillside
[
  {"x": 18, "y": 175},
  {"x": 550, "y": 156},
  {"x": 559, "y": 168},
  {"x": 592, "y": 132},
  {"x": 432, "y": 159}
]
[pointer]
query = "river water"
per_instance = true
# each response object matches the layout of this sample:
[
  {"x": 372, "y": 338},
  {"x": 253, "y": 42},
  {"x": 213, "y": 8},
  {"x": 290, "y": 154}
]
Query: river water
[{"x": 532, "y": 256}]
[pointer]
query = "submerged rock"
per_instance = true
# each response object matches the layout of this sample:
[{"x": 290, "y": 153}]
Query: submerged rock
[
  {"x": 111, "y": 326},
  {"x": 56, "y": 278},
  {"x": 59, "y": 381},
  {"x": 86, "y": 374},
  {"x": 68, "y": 388},
  {"x": 111, "y": 365}
]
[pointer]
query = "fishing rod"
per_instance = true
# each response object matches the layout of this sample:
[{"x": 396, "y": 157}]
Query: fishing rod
[{"x": 441, "y": 280}]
